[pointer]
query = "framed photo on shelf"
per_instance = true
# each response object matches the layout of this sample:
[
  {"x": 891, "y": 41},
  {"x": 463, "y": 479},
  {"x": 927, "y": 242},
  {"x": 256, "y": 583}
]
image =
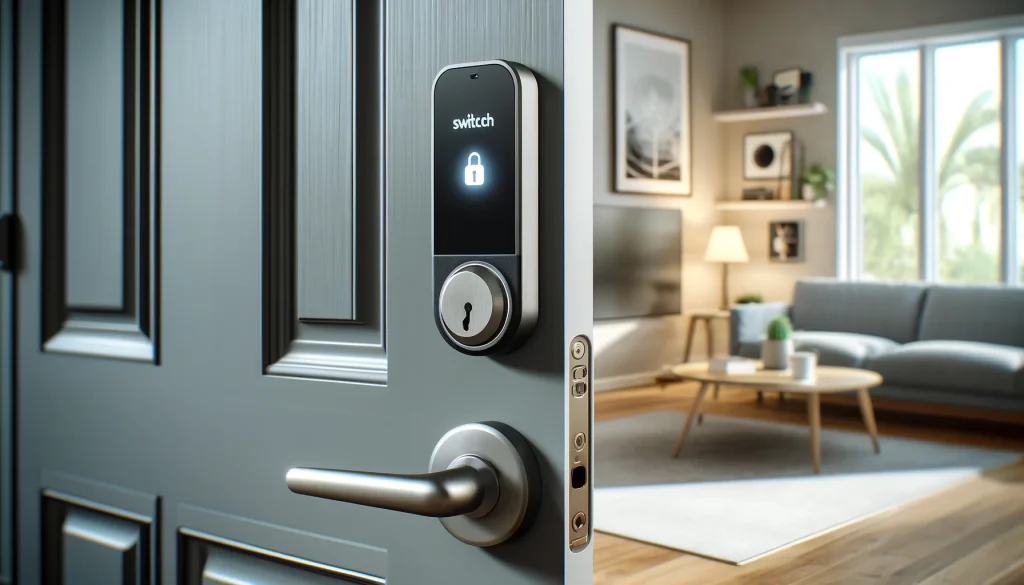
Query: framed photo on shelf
[
  {"x": 652, "y": 113},
  {"x": 787, "y": 83},
  {"x": 786, "y": 241},
  {"x": 768, "y": 156}
]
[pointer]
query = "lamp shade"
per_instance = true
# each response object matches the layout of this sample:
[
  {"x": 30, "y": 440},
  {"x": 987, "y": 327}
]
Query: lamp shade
[{"x": 726, "y": 245}]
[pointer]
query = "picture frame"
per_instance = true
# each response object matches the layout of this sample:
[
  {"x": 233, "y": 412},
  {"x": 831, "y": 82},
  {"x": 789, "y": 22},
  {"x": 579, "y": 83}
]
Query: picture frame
[
  {"x": 653, "y": 130},
  {"x": 786, "y": 241},
  {"x": 787, "y": 83},
  {"x": 768, "y": 156}
]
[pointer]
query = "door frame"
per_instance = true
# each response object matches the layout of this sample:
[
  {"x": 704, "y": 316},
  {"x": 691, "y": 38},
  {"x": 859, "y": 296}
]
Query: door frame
[
  {"x": 578, "y": 240},
  {"x": 8, "y": 290}
]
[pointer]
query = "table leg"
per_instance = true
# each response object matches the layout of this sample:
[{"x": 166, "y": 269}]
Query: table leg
[
  {"x": 814, "y": 417},
  {"x": 760, "y": 396},
  {"x": 709, "y": 336},
  {"x": 689, "y": 339},
  {"x": 867, "y": 412},
  {"x": 700, "y": 416},
  {"x": 694, "y": 410}
]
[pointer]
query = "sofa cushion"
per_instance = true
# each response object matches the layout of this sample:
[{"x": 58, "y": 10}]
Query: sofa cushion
[
  {"x": 749, "y": 349},
  {"x": 889, "y": 310},
  {"x": 974, "y": 313},
  {"x": 952, "y": 365},
  {"x": 842, "y": 349},
  {"x": 833, "y": 349}
]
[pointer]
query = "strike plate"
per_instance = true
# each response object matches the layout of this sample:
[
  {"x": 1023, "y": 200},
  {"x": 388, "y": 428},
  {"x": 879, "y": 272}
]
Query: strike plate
[{"x": 580, "y": 445}]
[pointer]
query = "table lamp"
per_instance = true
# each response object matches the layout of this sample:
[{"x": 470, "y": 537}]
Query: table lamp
[{"x": 726, "y": 246}]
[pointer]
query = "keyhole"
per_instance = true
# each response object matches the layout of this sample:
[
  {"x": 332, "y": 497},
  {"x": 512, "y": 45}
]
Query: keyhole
[
  {"x": 465, "y": 322},
  {"x": 474, "y": 176}
]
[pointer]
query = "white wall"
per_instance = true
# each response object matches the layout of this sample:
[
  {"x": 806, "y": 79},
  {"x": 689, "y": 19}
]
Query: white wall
[{"x": 629, "y": 351}]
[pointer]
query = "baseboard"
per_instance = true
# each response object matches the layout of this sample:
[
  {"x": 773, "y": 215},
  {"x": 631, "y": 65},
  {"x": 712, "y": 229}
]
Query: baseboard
[{"x": 602, "y": 383}]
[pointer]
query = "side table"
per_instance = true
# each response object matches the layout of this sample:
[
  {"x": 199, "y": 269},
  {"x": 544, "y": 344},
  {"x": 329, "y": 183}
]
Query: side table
[{"x": 706, "y": 317}]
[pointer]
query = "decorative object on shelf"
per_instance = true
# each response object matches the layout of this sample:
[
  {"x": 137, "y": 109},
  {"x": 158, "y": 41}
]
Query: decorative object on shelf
[
  {"x": 786, "y": 241},
  {"x": 805, "y": 87},
  {"x": 769, "y": 96},
  {"x": 787, "y": 84},
  {"x": 758, "y": 194},
  {"x": 726, "y": 246},
  {"x": 750, "y": 299},
  {"x": 748, "y": 76},
  {"x": 652, "y": 113},
  {"x": 819, "y": 182},
  {"x": 777, "y": 347},
  {"x": 768, "y": 155}
]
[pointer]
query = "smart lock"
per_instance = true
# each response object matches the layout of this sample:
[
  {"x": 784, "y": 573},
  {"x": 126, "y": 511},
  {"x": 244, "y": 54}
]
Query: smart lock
[{"x": 484, "y": 206}]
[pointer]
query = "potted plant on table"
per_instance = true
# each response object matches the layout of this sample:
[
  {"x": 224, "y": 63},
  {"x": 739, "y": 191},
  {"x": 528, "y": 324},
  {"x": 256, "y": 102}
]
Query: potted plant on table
[{"x": 778, "y": 347}]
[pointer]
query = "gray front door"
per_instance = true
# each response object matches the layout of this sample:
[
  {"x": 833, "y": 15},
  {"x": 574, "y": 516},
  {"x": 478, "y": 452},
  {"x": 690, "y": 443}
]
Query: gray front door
[{"x": 226, "y": 275}]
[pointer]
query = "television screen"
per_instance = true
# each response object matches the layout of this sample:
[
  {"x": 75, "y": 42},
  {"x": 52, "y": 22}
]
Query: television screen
[{"x": 637, "y": 262}]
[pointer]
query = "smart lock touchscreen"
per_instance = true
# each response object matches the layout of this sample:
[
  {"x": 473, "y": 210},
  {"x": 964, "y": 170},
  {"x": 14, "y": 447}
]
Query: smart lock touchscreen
[{"x": 474, "y": 162}]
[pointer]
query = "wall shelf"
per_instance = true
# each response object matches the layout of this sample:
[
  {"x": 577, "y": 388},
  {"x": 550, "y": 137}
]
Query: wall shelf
[
  {"x": 771, "y": 113},
  {"x": 769, "y": 205}
]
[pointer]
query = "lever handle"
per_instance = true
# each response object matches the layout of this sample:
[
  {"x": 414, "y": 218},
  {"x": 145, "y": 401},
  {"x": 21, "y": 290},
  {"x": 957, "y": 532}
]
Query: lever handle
[
  {"x": 469, "y": 487},
  {"x": 484, "y": 484}
]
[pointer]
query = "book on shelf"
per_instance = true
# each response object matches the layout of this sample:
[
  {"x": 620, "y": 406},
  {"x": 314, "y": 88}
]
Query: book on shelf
[{"x": 732, "y": 365}]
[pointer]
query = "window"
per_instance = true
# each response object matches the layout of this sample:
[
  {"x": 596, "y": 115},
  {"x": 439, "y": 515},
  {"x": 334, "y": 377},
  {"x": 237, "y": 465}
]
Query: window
[{"x": 931, "y": 154}]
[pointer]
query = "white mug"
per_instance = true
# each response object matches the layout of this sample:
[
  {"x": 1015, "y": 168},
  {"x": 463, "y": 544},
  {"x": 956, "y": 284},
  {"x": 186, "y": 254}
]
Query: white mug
[{"x": 802, "y": 364}]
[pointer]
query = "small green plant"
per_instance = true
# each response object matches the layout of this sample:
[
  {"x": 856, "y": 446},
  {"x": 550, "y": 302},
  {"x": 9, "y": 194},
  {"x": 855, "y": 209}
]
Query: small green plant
[
  {"x": 748, "y": 75},
  {"x": 780, "y": 329},
  {"x": 821, "y": 178},
  {"x": 751, "y": 298}
]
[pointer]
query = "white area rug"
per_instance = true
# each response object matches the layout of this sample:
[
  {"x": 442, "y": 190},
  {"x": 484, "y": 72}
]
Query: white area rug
[{"x": 743, "y": 489}]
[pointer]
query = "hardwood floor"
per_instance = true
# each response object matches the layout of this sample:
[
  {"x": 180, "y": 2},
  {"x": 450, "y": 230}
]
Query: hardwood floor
[{"x": 972, "y": 534}]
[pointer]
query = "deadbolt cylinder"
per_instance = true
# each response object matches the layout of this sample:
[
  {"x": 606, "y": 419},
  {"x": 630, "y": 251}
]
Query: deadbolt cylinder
[{"x": 474, "y": 305}]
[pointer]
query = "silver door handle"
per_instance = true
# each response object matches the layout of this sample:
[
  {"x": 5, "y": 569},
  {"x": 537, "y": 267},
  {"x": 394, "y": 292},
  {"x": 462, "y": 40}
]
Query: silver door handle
[
  {"x": 468, "y": 487},
  {"x": 483, "y": 484}
]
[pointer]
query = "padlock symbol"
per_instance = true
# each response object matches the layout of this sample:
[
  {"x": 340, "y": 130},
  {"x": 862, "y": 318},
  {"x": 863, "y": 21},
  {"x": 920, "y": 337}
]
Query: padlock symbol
[{"x": 474, "y": 172}]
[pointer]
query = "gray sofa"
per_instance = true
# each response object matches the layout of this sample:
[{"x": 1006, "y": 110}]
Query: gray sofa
[{"x": 944, "y": 344}]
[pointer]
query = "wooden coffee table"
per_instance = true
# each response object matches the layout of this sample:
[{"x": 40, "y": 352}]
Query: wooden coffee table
[{"x": 829, "y": 380}]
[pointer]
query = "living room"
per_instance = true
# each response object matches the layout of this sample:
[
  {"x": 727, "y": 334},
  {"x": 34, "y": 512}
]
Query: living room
[{"x": 843, "y": 179}]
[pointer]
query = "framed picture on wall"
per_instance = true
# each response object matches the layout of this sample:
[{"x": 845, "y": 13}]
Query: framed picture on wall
[
  {"x": 786, "y": 241},
  {"x": 768, "y": 155},
  {"x": 652, "y": 113}
]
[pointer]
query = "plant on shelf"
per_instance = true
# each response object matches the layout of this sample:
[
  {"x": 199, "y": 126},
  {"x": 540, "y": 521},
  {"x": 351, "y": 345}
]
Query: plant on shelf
[
  {"x": 749, "y": 299},
  {"x": 820, "y": 180},
  {"x": 777, "y": 348},
  {"x": 749, "y": 78}
]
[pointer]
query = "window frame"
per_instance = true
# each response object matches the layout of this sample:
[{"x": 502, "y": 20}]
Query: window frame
[{"x": 926, "y": 40}]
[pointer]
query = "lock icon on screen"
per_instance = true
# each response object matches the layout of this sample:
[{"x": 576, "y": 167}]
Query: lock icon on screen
[{"x": 474, "y": 172}]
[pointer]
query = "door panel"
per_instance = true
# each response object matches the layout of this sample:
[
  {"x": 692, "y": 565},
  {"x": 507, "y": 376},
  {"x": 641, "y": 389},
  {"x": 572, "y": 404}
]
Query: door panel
[
  {"x": 84, "y": 544},
  {"x": 94, "y": 530},
  {"x": 290, "y": 181},
  {"x": 98, "y": 126},
  {"x": 323, "y": 220}
]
